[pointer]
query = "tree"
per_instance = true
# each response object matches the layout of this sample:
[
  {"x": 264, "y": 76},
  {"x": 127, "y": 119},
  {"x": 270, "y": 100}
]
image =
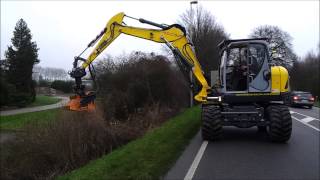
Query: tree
[
  {"x": 64, "y": 86},
  {"x": 21, "y": 58},
  {"x": 205, "y": 34},
  {"x": 4, "y": 89},
  {"x": 280, "y": 45},
  {"x": 305, "y": 74},
  {"x": 139, "y": 81}
]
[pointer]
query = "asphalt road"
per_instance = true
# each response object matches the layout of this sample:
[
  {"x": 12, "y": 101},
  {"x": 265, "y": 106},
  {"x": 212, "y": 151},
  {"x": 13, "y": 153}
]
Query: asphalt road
[
  {"x": 59, "y": 104},
  {"x": 248, "y": 154}
]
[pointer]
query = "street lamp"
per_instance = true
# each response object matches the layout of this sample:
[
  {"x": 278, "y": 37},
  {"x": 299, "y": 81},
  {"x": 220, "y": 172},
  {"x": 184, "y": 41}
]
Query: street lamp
[
  {"x": 193, "y": 2},
  {"x": 190, "y": 73}
]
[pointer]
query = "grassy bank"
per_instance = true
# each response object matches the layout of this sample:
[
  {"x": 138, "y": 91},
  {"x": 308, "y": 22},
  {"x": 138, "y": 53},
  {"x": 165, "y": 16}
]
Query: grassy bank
[
  {"x": 147, "y": 158},
  {"x": 42, "y": 100},
  {"x": 14, "y": 122}
]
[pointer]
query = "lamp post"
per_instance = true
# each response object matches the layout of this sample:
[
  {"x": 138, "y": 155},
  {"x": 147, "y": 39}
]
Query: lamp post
[
  {"x": 190, "y": 73},
  {"x": 193, "y": 2},
  {"x": 191, "y": 10}
]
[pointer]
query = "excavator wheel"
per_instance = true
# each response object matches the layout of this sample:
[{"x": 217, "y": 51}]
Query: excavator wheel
[
  {"x": 211, "y": 123},
  {"x": 280, "y": 123}
]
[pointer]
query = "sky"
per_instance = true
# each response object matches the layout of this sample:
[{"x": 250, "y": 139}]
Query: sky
[{"x": 62, "y": 29}]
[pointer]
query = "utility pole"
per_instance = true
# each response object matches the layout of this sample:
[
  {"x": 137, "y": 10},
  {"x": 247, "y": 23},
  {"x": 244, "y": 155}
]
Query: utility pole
[{"x": 190, "y": 73}]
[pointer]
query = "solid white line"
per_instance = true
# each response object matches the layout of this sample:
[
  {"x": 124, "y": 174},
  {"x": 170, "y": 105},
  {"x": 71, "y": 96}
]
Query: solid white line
[
  {"x": 304, "y": 115},
  {"x": 196, "y": 161},
  {"x": 306, "y": 123}
]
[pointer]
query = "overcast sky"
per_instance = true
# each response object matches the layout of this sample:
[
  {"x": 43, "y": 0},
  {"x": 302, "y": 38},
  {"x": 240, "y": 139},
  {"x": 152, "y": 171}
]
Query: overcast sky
[{"x": 63, "y": 29}]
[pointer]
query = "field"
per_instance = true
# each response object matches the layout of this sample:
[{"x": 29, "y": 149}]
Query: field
[
  {"x": 42, "y": 100},
  {"x": 15, "y": 122}
]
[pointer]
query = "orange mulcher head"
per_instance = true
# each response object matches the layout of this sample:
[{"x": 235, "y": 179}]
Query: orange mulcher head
[{"x": 82, "y": 103}]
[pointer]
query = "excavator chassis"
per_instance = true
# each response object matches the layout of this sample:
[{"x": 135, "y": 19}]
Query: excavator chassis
[
  {"x": 248, "y": 92},
  {"x": 273, "y": 118}
]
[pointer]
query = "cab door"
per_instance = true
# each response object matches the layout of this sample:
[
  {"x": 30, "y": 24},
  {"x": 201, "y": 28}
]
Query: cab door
[{"x": 258, "y": 69}]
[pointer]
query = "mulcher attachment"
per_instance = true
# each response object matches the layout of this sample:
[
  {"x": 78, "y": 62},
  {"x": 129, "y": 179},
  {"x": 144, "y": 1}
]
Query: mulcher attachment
[{"x": 82, "y": 103}]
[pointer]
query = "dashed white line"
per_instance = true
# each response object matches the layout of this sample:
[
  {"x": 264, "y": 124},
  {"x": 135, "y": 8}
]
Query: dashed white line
[
  {"x": 306, "y": 123},
  {"x": 307, "y": 119},
  {"x": 304, "y": 115},
  {"x": 204, "y": 144},
  {"x": 196, "y": 161}
]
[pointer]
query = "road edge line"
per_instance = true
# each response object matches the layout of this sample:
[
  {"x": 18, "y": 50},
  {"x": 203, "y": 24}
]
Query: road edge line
[{"x": 196, "y": 161}]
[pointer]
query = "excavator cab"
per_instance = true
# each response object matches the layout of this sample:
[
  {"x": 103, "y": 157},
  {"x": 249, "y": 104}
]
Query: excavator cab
[
  {"x": 245, "y": 70},
  {"x": 246, "y": 67}
]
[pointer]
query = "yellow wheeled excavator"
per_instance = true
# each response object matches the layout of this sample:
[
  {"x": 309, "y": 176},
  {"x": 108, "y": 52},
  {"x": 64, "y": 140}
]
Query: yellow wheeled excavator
[{"x": 246, "y": 91}]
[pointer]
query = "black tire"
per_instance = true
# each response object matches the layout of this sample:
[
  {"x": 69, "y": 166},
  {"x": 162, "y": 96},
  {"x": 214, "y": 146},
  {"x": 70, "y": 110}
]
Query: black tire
[
  {"x": 280, "y": 123},
  {"x": 310, "y": 107},
  {"x": 211, "y": 128}
]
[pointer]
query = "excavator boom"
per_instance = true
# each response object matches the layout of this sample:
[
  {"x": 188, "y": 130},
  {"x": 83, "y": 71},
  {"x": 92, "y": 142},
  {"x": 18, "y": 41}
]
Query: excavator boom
[{"x": 174, "y": 36}]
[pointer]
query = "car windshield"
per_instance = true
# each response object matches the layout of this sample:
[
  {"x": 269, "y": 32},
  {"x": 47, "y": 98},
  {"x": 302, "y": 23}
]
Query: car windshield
[{"x": 302, "y": 94}]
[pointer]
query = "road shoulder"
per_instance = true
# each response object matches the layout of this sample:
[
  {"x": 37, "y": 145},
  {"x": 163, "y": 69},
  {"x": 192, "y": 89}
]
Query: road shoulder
[{"x": 182, "y": 165}]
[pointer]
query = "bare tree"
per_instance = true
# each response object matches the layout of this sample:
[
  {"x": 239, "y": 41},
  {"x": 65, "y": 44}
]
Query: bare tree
[
  {"x": 205, "y": 34},
  {"x": 49, "y": 73},
  {"x": 279, "y": 44},
  {"x": 305, "y": 73},
  {"x": 104, "y": 65}
]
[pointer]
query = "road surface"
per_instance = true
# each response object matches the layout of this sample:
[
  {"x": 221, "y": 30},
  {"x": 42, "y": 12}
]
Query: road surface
[
  {"x": 37, "y": 108},
  {"x": 248, "y": 154}
]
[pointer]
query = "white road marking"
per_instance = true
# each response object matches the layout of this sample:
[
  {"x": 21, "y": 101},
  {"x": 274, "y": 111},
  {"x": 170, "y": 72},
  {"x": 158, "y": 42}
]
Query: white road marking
[
  {"x": 304, "y": 115},
  {"x": 196, "y": 161},
  {"x": 307, "y": 119},
  {"x": 306, "y": 123},
  {"x": 204, "y": 144}
]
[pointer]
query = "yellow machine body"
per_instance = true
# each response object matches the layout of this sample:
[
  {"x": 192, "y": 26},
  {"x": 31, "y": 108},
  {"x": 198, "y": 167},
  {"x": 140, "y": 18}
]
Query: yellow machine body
[
  {"x": 279, "y": 79},
  {"x": 173, "y": 36}
]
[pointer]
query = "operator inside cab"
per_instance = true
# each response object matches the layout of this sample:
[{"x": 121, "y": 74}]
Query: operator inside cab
[{"x": 239, "y": 67}]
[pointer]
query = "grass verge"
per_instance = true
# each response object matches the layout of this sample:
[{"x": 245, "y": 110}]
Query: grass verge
[
  {"x": 14, "y": 122},
  {"x": 147, "y": 158},
  {"x": 42, "y": 100}
]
